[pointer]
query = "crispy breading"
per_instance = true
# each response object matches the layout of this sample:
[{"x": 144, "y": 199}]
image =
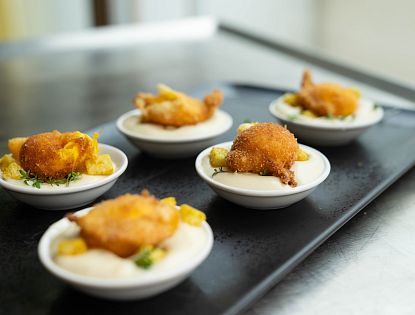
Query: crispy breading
[
  {"x": 326, "y": 99},
  {"x": 124, "y": 224},
  {"x": 172, "y": 108},
  {"x": 55, "y": 155},
  {"x": 266, "y": 149}
]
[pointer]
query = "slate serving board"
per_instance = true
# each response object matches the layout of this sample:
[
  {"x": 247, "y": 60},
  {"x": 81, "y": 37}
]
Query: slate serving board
[{"x": 253, "y": 249}]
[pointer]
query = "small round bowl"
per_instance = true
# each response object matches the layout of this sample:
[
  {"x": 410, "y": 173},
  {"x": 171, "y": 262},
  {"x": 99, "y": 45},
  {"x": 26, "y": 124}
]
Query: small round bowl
[
  {"x": 257, "y": 198},
  {"x": 173, "y": 143},
  {"x": 118, "y": 289},
  {"x": 324, "y": 131},
  {"x": 62, "y": 198}
]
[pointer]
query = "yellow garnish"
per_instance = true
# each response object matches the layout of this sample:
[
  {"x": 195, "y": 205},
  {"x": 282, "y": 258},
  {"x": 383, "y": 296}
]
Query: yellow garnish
[
  {"x": 191, "y": 215},
  {"x": 71, "y": 247},
  {"x": 69, "y": 152},
  {"x": 356, "y": 91},
  {"x": 309, "y": 113},
  {"x": 166, "y": 92},
  {"x": 95, "y": 143},
  {"x": 158, "y": 254},
  {"x": 102, "y": 165},
  {"x": 13, "y": 171},
  {"x": 148, "y": 255},
  {"x": 302, "y": 156},
  {"x": 6, "y": 160},
  {"x": 244, "y": 126},
  {"x": 9, "y": 167},
  {"x": 217, "y": 157},
  {"x": 291, "y": 99},
  {"x": 169, "y": 201}
]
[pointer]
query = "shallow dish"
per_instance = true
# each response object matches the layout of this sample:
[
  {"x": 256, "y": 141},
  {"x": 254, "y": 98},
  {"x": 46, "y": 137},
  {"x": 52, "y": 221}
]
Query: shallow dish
[
  {"x": 171, "y": 143},
  {"x": 74, "y": 196},
  {"x": 260, "y": 198},
  {"x": 326, "y": 131},
  {"x": 118, "y": 289}
]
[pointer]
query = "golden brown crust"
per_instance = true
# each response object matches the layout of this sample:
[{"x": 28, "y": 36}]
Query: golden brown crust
[
  {"x": 172, "y": 108},
  {"x": 124, "y": 224},
  {"x": 326, "y": 99},
  {"x": 44, "y": 155},
  {"x": 265, "y": 148}
]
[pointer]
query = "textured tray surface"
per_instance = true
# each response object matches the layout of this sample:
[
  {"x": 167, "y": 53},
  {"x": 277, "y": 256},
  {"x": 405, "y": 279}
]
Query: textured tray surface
[{"x": 253, "y": 250}]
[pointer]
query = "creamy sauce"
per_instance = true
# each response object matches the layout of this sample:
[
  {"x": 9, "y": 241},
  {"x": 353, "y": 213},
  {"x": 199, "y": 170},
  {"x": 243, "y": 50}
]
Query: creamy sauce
[
  {"x": 83, "y": 180},
  {"x": 183, "y": 246},
  {"x": 305, "y": 172},
  {"x": 210, "y": 127},
  {"x": 366, "y": 112}
]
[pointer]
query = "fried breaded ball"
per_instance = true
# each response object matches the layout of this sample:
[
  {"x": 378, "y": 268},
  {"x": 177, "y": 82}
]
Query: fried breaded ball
[
  {"x": 124, "y": 224},
  {"x": 55, "y": 155},
  {"x": 326, "y": 99},
  {"x": 172, "y": 108},
  {"x": 266, "y": 149}
]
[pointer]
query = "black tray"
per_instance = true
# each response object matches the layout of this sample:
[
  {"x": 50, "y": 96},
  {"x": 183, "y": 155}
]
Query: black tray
[{"x": 253, "y": 249}]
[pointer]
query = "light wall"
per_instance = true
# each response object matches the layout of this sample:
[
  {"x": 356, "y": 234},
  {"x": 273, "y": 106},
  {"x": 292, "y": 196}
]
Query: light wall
[
  {"x": 378, "y": 35},
  {"x": 23, "y": 19},
  {"x": 292, "y": 21}
]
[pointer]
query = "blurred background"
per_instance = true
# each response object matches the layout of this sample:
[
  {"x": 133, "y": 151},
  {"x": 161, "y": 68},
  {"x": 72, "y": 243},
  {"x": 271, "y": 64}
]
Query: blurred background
[{"x": 374, "y": 35}]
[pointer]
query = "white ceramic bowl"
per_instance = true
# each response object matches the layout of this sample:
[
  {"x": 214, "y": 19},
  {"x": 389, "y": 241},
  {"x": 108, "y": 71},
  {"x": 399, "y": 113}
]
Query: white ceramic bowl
[
  {"x": 74, "y": 196},
  {"x": 323, "y": 131},
  {"x": 118, "y": 289},
  {"x": 172, "y": 143},
  {"x": 262, "y": 199}
]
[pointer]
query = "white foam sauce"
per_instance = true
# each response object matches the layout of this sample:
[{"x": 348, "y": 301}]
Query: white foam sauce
[
  {"x": 305, "y": 172},
  {"x": 183, "y": 246},
  {"x": 218, "y": 121},
  {"x": 366, "y": 112}
]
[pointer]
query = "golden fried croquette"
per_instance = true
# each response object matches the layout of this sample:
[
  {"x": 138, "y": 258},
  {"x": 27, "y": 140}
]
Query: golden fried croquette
[
  {"x": 326, "y": 99},
  {"x": 55, "y": 155},
  {"x": 266, "y": 149},
  {"x": 124, "y": 224},
  {"x": 172, "y": 108}
]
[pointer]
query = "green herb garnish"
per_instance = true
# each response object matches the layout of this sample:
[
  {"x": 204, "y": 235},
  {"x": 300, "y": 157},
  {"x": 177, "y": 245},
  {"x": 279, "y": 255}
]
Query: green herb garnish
[
  {"x": 247, "y": 121},
  {"x": 264, "y": 172},
  {"x": 73, "y": 176},
  {"x": 148, "y": 255},
  {"x": 375, "y": 106},
  {"x": 219, "y": 170},
  {"x": 34, "y": 181},
  {"x": 143, "y": 258},
  {"x": 292, "y": 117},
  {"x": 30, "y": 180}
]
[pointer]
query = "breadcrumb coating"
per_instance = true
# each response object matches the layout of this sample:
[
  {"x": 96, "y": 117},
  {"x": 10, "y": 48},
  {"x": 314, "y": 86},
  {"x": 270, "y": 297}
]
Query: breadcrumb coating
[
  {"x": 266, "y": 149},
  {"x": 326, "y": 99},
  {"x": 123, "y": 224},
  {"x": 55, "y": 155},
  {"x": 176, "y": 109}
]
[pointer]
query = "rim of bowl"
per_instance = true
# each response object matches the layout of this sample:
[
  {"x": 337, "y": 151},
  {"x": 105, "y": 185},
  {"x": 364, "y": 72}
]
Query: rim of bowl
[
  {"x": 259, "y": 193},
  {"x": 59, "y": 226},
  {"x": 68, "y": 190},
  {"x": 131, "y": 134},
  {"x": 311, "y": 125}
]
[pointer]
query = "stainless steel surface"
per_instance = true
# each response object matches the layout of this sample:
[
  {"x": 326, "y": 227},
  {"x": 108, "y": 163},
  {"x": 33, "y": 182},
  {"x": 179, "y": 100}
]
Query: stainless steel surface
[{"x": 365, "y": 268}]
